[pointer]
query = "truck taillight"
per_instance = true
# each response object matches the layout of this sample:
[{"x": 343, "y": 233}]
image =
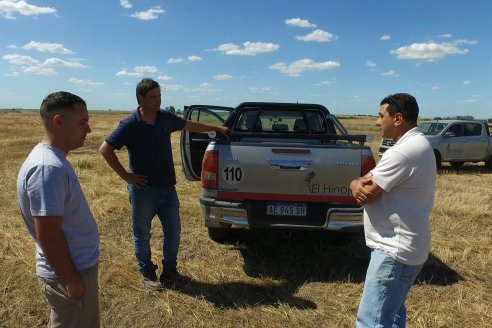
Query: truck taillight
[
  {"x": 368, "y": 163},
  {"x": 210, "y": 166}
]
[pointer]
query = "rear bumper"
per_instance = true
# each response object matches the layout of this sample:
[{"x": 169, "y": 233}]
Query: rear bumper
[{"x": 225, "y": 213}]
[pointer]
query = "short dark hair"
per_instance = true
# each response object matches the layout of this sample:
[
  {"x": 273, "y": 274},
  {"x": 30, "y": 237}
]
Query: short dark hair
[
  {"x": 57, "y": 102},
  {"x": 145, "y": 86},
  {"x": 402, "y": 103}
]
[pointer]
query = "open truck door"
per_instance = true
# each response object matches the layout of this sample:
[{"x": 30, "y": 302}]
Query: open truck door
[{"x": 193, "y": 144}]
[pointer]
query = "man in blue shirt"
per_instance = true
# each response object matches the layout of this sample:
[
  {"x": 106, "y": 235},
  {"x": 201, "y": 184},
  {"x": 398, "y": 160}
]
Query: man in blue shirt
[{"x": 146, "y": 133}]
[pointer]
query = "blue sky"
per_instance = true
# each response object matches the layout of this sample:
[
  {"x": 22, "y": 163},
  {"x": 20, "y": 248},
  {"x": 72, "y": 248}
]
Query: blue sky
[{"x": 344, "y": 54}]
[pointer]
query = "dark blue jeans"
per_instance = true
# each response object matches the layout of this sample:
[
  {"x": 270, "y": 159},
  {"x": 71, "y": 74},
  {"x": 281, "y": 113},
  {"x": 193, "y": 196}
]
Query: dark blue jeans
[{"x": 146, "y": 203}]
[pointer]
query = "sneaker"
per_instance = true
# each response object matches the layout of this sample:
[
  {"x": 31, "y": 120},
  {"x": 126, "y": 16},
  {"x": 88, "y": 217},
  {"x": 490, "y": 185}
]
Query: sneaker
[
  {"x": 172, "y": 276},
  {"x": 150, "y": 280}
]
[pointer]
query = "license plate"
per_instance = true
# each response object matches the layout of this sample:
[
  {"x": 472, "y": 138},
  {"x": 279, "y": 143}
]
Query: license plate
[{"x": 286, "y": 209}]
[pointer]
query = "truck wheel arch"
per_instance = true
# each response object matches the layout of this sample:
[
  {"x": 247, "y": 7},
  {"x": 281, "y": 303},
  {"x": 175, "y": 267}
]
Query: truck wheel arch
[
  {"x": 488, "y": 163},
  {"x": 220, "y": 235},
  {"x": 437, "y": 154}
]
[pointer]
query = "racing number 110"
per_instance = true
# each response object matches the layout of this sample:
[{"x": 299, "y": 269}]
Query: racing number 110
[{"x": 233, "y": 173}]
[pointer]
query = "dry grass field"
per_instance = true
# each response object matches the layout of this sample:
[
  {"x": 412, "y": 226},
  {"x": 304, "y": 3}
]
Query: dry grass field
[{"x": 259, "y": 280}]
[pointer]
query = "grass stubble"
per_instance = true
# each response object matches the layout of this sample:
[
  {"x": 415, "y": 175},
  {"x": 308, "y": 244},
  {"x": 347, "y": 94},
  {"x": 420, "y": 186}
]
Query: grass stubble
[{"x": 263, "y": 279}]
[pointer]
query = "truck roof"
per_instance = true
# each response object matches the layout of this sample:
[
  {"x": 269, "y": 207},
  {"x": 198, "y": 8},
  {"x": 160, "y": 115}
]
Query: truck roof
[
  {"x": 453, "y": 121},
  {"x": 282, "y": 105}
]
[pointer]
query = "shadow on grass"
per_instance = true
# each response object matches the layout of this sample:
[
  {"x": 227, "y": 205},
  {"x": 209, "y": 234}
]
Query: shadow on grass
[
  {"x": 294, "y": 260},
  {"x": 241, "y": 294},
  {"x": 310, "y": 256}
]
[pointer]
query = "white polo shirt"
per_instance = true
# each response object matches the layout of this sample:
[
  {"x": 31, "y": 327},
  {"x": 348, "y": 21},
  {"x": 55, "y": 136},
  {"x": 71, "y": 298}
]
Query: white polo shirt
[{"x": 397, "y": 221}]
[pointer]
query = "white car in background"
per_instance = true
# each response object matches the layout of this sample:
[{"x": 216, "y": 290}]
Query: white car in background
[{"x": 455, "y": 141}]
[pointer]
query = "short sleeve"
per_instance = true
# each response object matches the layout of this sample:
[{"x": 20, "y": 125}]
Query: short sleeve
[
  {"x": 118, "y": 138},
  {"x": 392, "y": 169},
  {"x": 46, "y": 188},
  {"x": 178, "y": 123}
]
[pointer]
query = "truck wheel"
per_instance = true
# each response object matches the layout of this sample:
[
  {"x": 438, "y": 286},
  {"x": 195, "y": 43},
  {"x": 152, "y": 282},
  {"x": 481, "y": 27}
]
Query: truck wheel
[
  {"x": 438, "y": 159},
  {"x": 488, "y": 164},
  {"x": 456, "y": 164},
  {"x": 220, "y": 234}
]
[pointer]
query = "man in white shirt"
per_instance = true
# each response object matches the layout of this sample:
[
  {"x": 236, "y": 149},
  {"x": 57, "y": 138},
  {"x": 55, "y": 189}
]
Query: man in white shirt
[{"x": 398, "y": 195}]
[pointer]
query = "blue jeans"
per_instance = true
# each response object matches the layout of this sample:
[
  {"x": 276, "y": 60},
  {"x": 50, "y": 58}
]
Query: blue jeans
[
  {"x": 146, "y": 203},
  {"x": 386, "y": 287}
]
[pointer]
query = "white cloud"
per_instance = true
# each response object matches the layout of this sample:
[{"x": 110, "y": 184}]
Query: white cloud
[
  {"x": 205, "y": 88},
  {"x": 194, "y": 58},
  {"x": 12, "y": 74},
  {"x": 299, "y": 22},
  {"x": 466, "y": 82},
  {"x": 9, "y": 8},
  {"x": 370, "y": 64},
  {"x": 262, "y": 90},
  {"x": 151, "y": 14},
  {"x": 164, "y": 78},
  {"x": 318, "y": 36},
  {"x": 31, "y": 65},
  {"x": 20, "y": 60},
  {"x": 443, "y": 36},
  {"x": 390, "y": 73},
  {"x": 38, "y": 70},
  {"x": 249, "y": 48},
  {"x": 175, "y": 60},
  {"x": 57, "y": 62},
  {"x": 84, "y": 84},
  {"x": 146, "y": 69},
  {"x": 125, "y": 73},
  {"x": 171, "y": 87},
  {"x": 223, "y": 77},
  {"x": 138, "y": 71},
  {"x": 206, "y": 85},
  {"x": 56, "y": 48},
  {"x": 431, "y": 51},
  {"x": 303, "y": 65},
  {"x": 385, "y": 37},
  {"x": 323, "y": 83},
  {"x": 126, "y": 4}
]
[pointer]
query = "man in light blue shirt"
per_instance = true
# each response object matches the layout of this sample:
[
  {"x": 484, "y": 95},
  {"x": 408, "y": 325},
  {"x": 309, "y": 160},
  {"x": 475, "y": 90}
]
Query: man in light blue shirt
[{"x": 58, "y": 217}]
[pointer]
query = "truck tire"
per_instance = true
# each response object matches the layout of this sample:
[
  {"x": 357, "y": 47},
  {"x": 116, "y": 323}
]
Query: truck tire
[
  {"x": 438, "y": 159},
  {"x": 340, "y": 238},
  {"x": 488, "y": 164},
  {"x": 220, "y": 234}
]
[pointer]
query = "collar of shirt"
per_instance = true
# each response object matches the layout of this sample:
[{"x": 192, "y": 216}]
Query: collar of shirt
[{"x": 410, "y": 133}]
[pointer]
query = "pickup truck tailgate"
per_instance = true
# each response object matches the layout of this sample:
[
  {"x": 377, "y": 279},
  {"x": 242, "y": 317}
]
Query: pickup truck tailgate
[{"x": 308, "y": 173}]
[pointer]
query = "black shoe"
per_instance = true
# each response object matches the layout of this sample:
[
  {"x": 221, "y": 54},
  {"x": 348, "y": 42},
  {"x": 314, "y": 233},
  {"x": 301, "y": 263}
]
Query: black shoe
[
  {"x": 150, "y": 281},
  {"x": 172, "y": 276}
]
